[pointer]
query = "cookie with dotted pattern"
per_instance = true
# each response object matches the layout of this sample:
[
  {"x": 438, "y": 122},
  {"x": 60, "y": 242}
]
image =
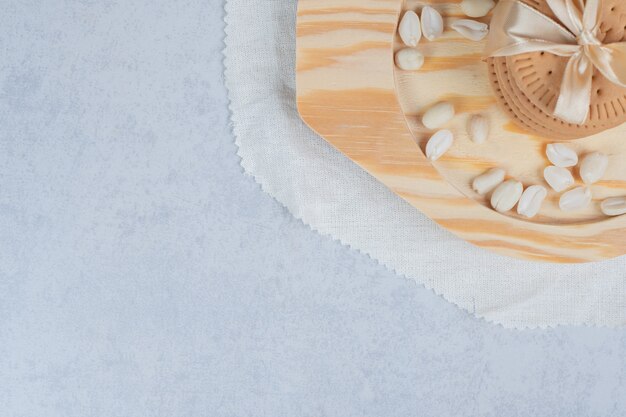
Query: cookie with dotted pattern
[{"x": 527, "y": 85}]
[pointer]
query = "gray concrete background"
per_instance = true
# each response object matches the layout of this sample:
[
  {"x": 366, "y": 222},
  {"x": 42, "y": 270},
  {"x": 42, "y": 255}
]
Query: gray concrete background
[{"x": 143, "y": 274}]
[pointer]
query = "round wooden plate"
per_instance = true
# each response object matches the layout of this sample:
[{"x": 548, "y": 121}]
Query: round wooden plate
[{"x": 350, "y": 92}]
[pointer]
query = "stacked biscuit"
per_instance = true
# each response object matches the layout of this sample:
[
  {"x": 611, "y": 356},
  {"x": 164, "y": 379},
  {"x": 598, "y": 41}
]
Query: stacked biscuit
[{"x": 527, "y": 86}]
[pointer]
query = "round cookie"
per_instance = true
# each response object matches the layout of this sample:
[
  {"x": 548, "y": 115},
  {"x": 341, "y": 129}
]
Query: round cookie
[
  {"x": 528, "y": 85},
  {"x": 510, "y": 102},
  {"x": 544, "y": 124},
  {"x": 518, "y": 106}
]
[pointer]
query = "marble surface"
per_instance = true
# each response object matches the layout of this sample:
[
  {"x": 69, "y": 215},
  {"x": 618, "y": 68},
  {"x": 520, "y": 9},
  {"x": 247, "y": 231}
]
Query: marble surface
[{"x": 143, "y": 274}]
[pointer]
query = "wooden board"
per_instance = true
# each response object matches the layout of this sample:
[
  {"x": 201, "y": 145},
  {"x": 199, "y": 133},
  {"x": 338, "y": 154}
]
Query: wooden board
[{"x": 350, "y": 92}]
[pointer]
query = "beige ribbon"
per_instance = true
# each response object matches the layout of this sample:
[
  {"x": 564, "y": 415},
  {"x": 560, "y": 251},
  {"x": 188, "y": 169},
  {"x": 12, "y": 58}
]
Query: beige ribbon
[{"x": 517, "y": 28}]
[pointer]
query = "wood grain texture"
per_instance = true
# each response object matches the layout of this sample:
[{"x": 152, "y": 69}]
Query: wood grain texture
[{"x": 351, "y": 94}]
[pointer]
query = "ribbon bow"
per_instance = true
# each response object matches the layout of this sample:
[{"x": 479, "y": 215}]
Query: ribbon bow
[{"x": 517, "y": 28}]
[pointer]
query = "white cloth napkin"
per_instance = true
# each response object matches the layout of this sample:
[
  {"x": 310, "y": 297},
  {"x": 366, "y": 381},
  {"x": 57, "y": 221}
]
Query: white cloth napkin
[{"x": 333, "y": 196}]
